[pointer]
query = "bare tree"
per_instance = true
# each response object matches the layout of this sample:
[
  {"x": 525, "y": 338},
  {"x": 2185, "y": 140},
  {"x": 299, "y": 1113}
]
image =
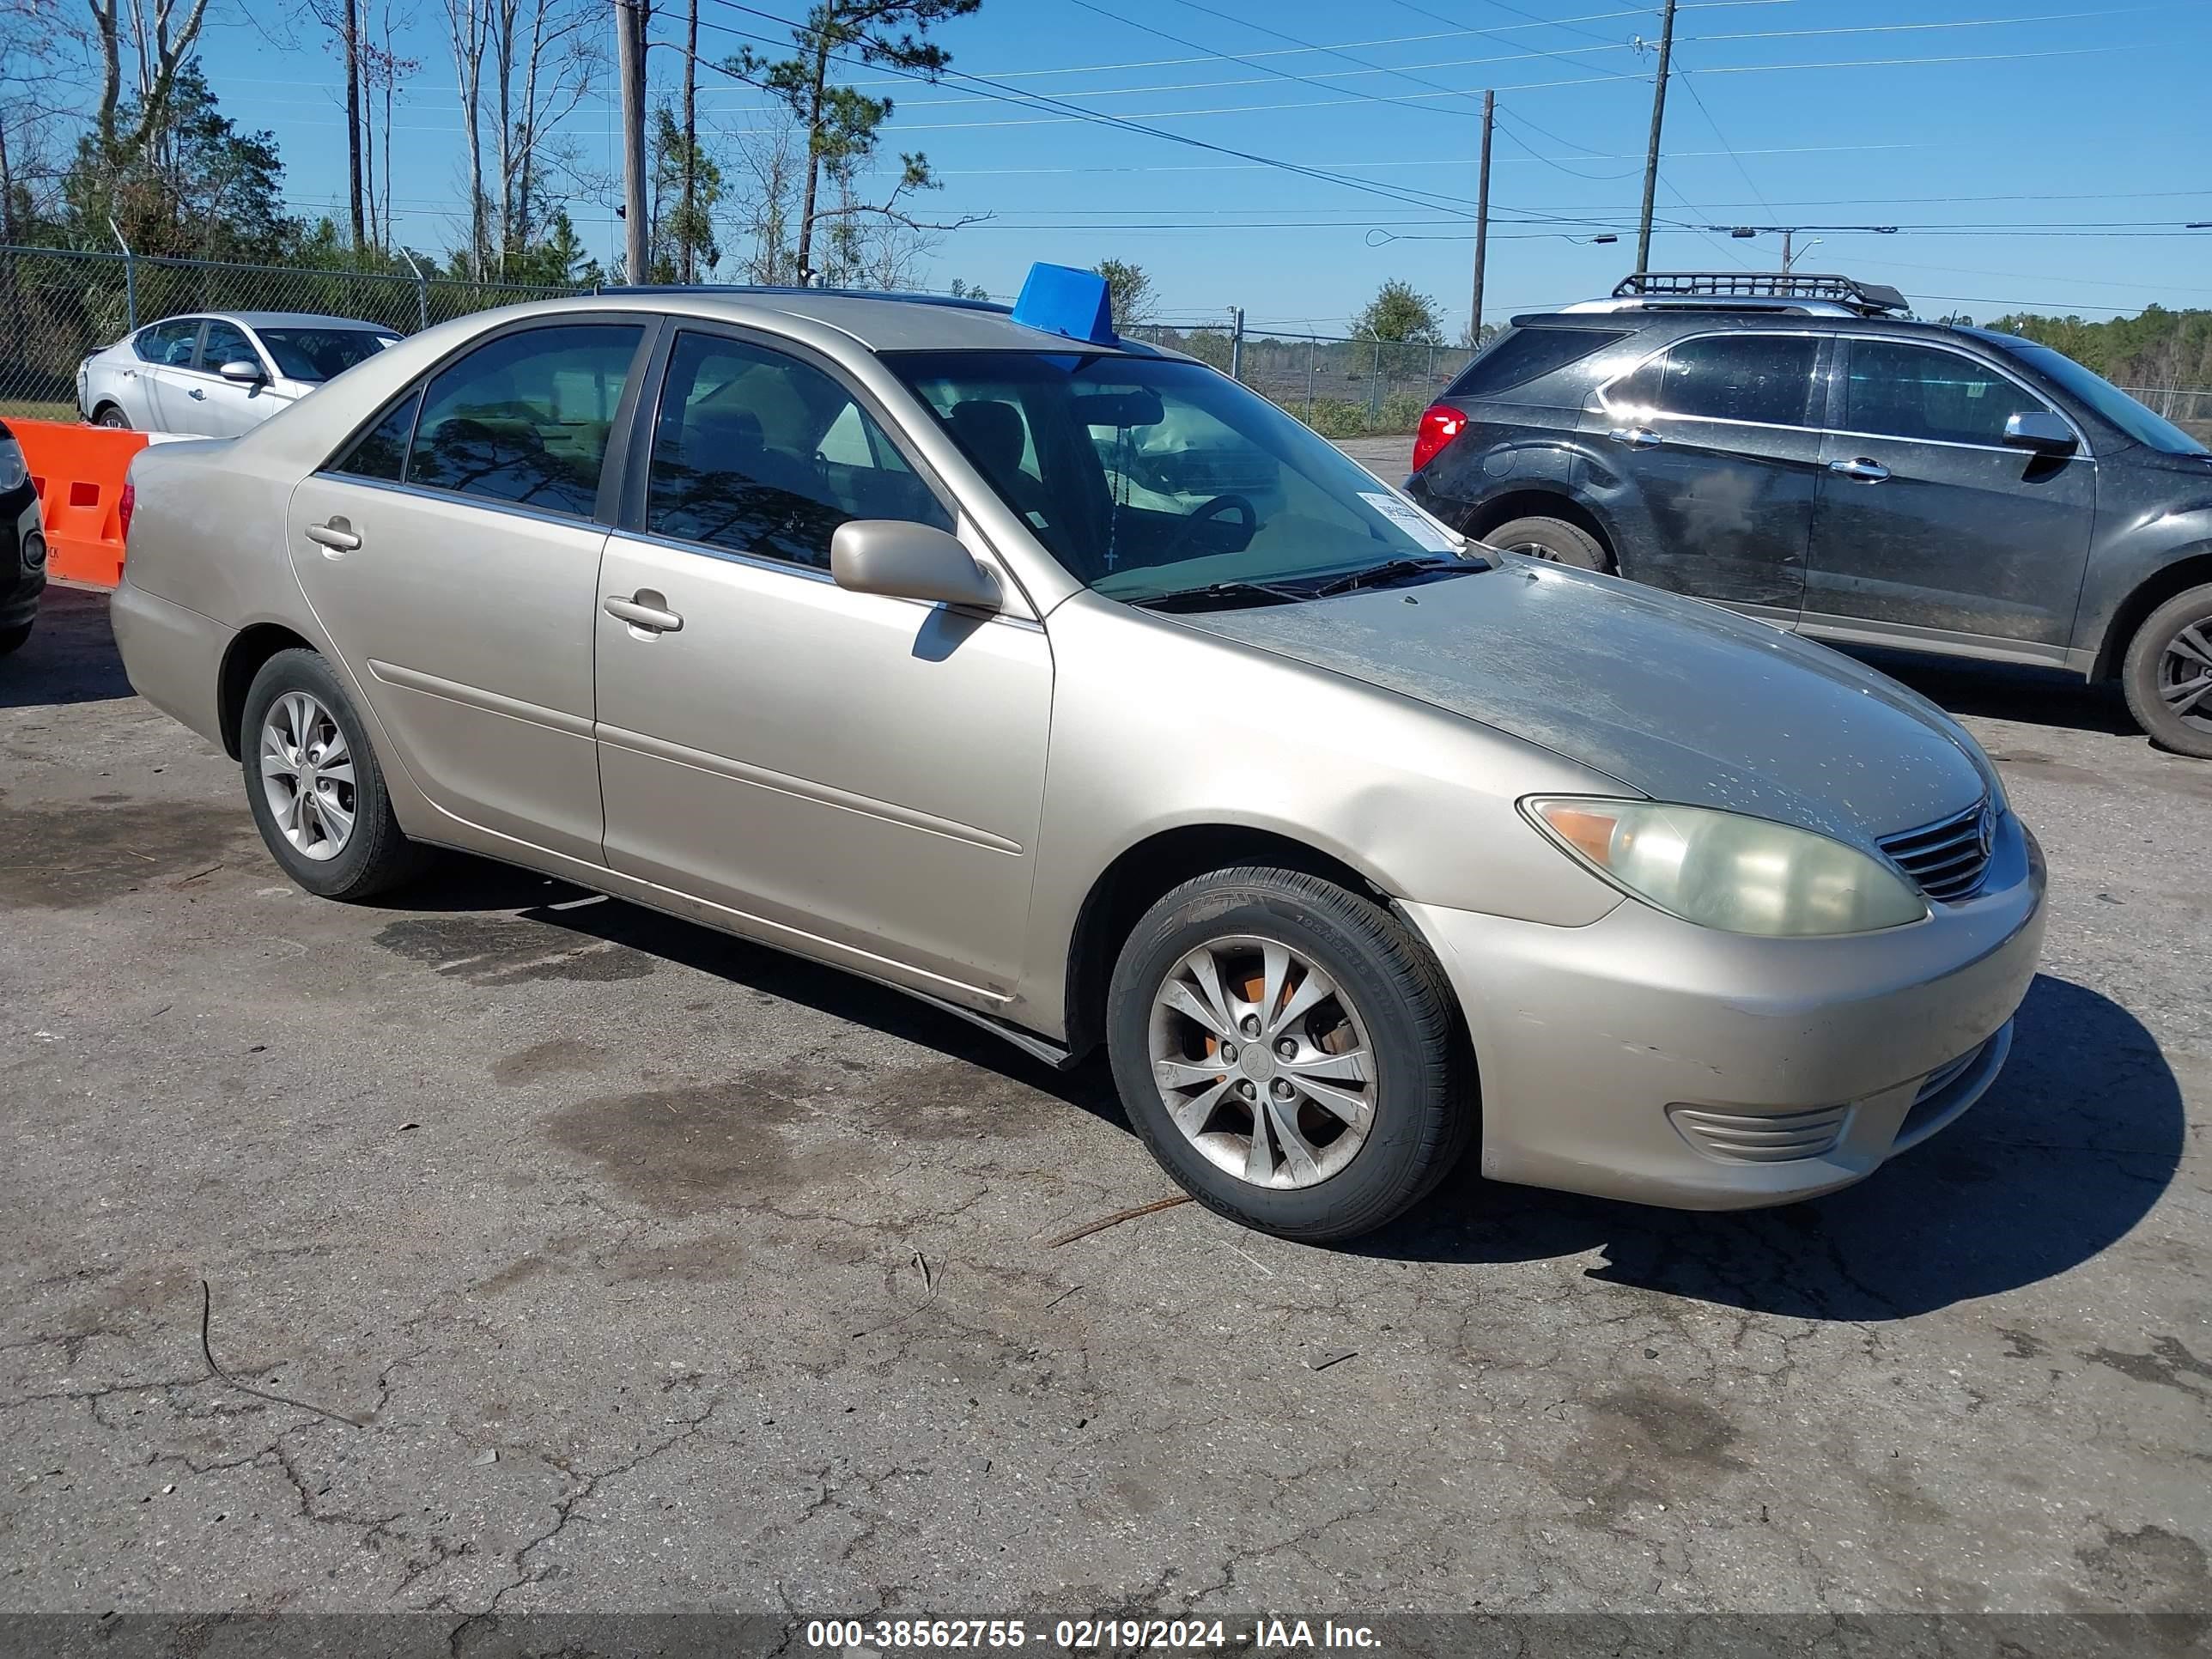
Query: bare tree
[
  {"x": 466, "y": 26},
  {"x": 769, "y": 159},
  {"x": 545, "y": 61},
  {"x": 384, "y": 70},
  {"x": 841, "y": 123},
  {"x": 162, "y": 41}
]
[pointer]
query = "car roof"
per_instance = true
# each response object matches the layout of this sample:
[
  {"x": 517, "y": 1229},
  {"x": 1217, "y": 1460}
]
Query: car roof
[
  {"x": 881, "y": 322},
  {"x": 275, "y": 319}
]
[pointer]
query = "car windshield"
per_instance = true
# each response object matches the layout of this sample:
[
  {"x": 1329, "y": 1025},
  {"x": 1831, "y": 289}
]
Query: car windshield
[
  {"x": 318, "y": 354},
  {"x": 2109, "y": 401},
  {"x": 1147, "y": 476}
]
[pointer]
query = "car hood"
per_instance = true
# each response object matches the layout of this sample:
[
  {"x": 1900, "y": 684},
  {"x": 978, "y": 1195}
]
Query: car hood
[{"x": 1679, "y": 699}]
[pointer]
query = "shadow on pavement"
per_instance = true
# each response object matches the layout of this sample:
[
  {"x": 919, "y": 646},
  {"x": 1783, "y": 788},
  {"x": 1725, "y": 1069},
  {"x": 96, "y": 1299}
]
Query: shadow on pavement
[
  {"x": 69, "y": 657},
  {"x": 2070, "y": 1148},
  {"x": 2080, "y": 1135}
]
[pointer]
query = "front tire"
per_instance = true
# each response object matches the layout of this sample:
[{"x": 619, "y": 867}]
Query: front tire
[
  {"x": 1553, "y": 540},
  {"x": 1289, "y": 1052},
  {"x": 317, "y": 793},
  {"x": 2168, "y": 674}
]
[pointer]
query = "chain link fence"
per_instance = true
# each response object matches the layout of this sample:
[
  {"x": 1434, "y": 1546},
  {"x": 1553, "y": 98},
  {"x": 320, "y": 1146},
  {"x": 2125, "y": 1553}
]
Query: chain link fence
[
  {"x": 1343, "y": 387},
  {"x": 59, "y": 306}
]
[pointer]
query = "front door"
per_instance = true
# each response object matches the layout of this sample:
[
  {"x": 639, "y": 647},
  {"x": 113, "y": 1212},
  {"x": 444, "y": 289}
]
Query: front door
[
  {"x": 452, "y": 557},
  {"x": 848, "y": 769},
  {"x": 1706, "y": 468},
  {"x": 226, "y": 408},
  {"x": 1928, "y": 526}
]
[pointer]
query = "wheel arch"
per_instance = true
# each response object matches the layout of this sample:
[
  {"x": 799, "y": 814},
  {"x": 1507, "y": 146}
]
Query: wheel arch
[
  {"x": 2146, "y": 596},
  {"x": 1136, "y": 879},
  {"x": 1539, "y": 501},
  {"x": 253, "y": 647}
]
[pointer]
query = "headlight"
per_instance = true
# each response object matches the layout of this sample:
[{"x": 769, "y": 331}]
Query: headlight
[
  {"x": 13, "y": 471},
  {"x": 1741, "y": 875}
]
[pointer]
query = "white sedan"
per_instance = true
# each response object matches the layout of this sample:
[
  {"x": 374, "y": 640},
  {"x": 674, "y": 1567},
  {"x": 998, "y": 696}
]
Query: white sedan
[{"x": 216, "y": 375}]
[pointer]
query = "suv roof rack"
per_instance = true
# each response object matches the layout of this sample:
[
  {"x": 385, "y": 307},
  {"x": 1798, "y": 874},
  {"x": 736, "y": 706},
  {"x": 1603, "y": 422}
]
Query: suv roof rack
[{"x": 1694, "y": 287}]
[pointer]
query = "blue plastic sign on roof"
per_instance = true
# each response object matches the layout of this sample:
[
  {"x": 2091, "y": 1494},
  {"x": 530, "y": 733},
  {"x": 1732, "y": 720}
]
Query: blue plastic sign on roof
[{"x": 1061, "y": 300}]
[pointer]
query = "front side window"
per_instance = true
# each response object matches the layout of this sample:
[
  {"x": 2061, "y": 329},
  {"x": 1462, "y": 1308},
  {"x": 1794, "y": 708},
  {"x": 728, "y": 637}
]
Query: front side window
[
  {"x": 320, "y": 353},
  {"x": 526, "y": 418},
  {"x": 169, "y": 343},
  {"x": 227, "y": 342},
  {"x": 1149, "y": 476},
  {"x": 762, "y": 454},
  {"x": 1762, "y": 377},
  {"x": 1900, "y": 391}
]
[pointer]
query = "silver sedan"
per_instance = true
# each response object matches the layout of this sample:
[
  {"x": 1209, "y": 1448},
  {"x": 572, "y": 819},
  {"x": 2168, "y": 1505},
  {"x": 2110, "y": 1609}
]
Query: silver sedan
[
  {"x": 1065, "y": 684},
  {"x": 216, "y": 375}
]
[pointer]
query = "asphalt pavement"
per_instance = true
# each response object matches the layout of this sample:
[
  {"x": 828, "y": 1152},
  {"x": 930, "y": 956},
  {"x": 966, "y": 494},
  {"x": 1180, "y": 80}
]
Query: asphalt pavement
[{"x": 561, "y": 1256}]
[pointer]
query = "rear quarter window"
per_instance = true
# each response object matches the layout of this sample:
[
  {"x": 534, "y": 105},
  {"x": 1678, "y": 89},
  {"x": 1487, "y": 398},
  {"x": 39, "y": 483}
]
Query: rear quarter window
[{"x": 1524, "y": 355}]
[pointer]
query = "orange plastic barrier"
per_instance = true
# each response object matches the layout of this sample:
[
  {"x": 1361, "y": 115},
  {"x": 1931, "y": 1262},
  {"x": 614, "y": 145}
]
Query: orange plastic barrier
[{"x": 79, "y": 472}]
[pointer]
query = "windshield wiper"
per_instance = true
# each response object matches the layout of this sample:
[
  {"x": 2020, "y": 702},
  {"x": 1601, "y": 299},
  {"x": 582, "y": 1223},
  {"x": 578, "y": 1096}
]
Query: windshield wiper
[
  {"x": 1226, "y": 595},
  {"x": 1391, "y": 570}
]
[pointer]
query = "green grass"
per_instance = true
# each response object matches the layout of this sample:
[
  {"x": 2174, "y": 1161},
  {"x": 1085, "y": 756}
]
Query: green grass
[{"x": 27, "y": 411}]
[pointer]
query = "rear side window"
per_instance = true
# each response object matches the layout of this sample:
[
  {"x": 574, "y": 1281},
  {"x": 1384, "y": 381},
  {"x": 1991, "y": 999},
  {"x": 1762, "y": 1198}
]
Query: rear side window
[
  {"x": 1528, "y": 354},
  {"x": 526, "y": 418},
  {"x": 1763, "y": 377},
  {"x": 762, "y": 454},
  {"x": 169, "y": 343},
  {"x": 1911, "y": 391}
]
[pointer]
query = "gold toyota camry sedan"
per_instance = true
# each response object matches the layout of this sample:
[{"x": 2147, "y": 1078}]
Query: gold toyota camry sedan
[{"x": 1061, "y": 681}]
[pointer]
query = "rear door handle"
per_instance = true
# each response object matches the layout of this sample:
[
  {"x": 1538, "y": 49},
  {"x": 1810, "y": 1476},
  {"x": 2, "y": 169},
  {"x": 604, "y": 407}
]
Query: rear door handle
[
  {"x": 1642, "y": 436},
  {"x": 336, "y": 534},
  {"x": 648, "y": 611},
  {"x": 1862, "y": 469}
]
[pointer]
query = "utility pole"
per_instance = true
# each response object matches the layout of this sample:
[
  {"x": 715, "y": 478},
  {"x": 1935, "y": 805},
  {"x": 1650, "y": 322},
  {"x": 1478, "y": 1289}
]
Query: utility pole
[
  {"x": 1788, "y": 238},
  {"x": 630, "y": 53},
  {"x": 1658, "y": 122},
  {"x": 1481, "y": 219}
]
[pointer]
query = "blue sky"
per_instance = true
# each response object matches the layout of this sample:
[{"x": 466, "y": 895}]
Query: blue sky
[{"x": 2035, "y": 155}]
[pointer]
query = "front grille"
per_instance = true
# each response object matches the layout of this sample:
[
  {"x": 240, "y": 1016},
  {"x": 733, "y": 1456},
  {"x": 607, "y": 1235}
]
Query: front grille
[
  {"x": 1950, "y": 857},
  {"x": 1759, "y": 1137}
]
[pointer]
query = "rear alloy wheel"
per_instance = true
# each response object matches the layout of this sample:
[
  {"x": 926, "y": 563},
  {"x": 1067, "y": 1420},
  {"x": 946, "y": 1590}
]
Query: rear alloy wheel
[
  {"x": 1553, "y": 540},
  {"x": 1288, "y": 1051},
  {"x": 2168, "y": 674},
  {"x": 313, "y": 781},
  {"x": 111, "y": 416}
]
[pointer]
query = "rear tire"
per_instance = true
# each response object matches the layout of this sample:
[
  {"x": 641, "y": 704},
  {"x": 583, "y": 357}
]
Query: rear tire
[
  {"x": 1553, "y": 540},
  {"x": 316, "y": 791},
  {"x": 109, "y": 416},
  {"x": 1376, "y": 1032},
  {"x": 2168, "y": 674}
]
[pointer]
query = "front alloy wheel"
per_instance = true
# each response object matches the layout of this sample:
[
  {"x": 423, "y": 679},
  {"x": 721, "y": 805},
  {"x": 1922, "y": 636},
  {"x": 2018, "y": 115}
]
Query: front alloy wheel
[
  {"x": 1290, "y": 1051},
  {"x": 1262, "y": 1062}
]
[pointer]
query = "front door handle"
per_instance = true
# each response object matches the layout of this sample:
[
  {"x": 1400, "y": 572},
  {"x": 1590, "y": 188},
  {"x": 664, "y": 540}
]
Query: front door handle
[
  {"x": 1865, "y": 470},
  {"x": 1642, "y": 436},
  {"x": 336, "y": 534},
  {"x": 198, "y": 395},
  {"x": 646, "y": 609}
]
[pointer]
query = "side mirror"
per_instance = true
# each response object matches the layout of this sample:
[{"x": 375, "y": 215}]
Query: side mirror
[
  {"x": 906, "y": 561},
  {"x": 243, "y": 372},
  {"x": 2038, "y": 428}
]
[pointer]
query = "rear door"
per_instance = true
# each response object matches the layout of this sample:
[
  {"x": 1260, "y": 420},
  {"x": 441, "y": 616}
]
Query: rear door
[
  {"x": 170, "y": 378},
  {"x": 1928, "y": 526},
  {"x": 452, "y": 556},
  {"x": 1707, "y": 467}
]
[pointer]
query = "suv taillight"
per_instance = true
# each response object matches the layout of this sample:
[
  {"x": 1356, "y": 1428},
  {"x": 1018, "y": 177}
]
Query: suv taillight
[
  {"x": 1440, "y": 424},
  {"x": 124, "y": 505}
]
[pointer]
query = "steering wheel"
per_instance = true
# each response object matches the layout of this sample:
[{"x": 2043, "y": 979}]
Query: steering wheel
[{"x": 1219, "y": 505}]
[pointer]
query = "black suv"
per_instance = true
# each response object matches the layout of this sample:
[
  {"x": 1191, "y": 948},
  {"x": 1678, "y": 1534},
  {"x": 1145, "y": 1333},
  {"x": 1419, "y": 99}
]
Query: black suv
[{"x": 1799, "y": 449}]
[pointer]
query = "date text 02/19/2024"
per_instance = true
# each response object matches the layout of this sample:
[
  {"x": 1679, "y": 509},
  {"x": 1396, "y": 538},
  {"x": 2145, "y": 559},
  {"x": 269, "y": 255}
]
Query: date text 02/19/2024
[{"x": 856, "y": 1638}]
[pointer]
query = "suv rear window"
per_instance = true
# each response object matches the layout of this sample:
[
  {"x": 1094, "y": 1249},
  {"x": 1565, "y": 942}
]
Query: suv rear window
[{"x": 1526, "y": 354}]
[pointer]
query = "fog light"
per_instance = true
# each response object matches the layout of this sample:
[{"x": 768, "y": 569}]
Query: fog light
[{"x": 34, "y": 550}]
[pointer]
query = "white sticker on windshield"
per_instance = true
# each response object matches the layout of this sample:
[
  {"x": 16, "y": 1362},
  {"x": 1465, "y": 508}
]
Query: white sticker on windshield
[{"x": 1414, "y": 522}]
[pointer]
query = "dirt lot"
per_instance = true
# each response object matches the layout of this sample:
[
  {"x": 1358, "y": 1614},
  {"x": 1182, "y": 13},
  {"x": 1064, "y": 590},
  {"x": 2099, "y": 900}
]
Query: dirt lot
[{"x": 655, "y": 1271}]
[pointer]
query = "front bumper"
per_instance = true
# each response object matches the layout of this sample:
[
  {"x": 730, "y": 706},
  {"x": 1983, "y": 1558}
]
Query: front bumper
[{"x": 1643, "y": 1058}]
